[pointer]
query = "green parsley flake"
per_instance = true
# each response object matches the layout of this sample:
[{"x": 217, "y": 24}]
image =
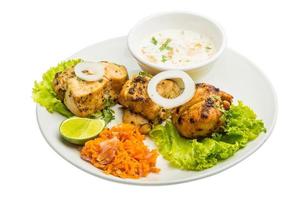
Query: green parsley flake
[
  {"x": 144, "y": 73},
  {"x": 165, "y": 45},
  {"x": 154, "y": 41},
  {"x": 164, "y": 58}
]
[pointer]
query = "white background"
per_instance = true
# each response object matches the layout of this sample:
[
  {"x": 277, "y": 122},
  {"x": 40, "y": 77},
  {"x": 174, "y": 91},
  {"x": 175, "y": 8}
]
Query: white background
[{"x": 35, "y": 35}]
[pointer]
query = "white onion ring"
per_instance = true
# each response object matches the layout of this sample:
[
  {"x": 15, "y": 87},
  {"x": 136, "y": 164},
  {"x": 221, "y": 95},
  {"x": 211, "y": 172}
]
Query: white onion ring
[
  {"x": 94, "y": 71},
  {"x": 184, "y": 97}
]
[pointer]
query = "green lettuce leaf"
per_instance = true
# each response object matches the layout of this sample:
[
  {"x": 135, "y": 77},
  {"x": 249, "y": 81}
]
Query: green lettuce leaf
[
  {"x": 241, "y": 126},
  {"x": 44, "y": 94}
]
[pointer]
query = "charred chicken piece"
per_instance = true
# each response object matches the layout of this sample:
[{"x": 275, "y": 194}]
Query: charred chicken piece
[
  {"x": 201, "y": 116},
  {"x": 60, "y": 82},
  {"x": 134, "y": 96},
  {"x": 137, "y": 120},
  {"x": 84, "y": 98}
]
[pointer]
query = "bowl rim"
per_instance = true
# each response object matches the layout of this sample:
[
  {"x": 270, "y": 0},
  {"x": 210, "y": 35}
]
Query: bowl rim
[{"x": 199, "y": 65}]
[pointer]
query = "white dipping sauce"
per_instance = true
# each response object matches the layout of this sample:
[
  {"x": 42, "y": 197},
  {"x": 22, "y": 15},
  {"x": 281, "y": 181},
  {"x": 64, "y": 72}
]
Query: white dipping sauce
[{"x": 177, "y": 48}]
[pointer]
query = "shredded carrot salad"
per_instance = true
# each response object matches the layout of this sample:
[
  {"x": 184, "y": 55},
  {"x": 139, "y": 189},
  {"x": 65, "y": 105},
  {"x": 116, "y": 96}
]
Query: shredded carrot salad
[{"x": 120, "y": 151}]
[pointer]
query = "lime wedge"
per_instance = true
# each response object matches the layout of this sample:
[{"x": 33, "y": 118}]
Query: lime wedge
[{"x": 78, "y": 130}]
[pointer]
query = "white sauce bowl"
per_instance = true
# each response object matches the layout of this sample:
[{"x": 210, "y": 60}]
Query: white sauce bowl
[{"x": 176, "y": 20}]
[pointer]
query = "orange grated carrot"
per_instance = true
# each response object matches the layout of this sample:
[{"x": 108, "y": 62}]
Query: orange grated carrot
[{"x": 120, "y": 151}]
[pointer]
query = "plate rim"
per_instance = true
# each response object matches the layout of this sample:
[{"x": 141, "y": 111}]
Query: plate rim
[{"x": 182, "y": 180}]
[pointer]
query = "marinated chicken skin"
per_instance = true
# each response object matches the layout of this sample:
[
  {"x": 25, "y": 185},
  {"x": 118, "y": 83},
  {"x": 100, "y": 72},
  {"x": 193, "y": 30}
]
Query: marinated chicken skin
[
  {"x": 134, "y": 96},
  {"x": 84, "y": 98},
  {"x": 60, "y": 82},
  {"x": 137, "y": 120},
  {"x": 202, "y": 114}
]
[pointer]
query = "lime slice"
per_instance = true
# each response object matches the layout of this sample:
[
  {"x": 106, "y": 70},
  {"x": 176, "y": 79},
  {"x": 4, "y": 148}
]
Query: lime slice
[{"x": 78, "y": 130}]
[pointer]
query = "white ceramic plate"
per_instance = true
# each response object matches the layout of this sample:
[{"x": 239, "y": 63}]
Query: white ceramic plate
[{"x": 232, "y": 73}]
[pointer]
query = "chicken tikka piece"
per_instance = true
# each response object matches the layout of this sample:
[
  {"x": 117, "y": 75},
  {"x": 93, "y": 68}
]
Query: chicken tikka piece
[
  {"x": 84, "y": 98},
  {"x": 201, "y": 116},
  {"x": 136, "y": 119},
  {"x": 134, "y": 96}
]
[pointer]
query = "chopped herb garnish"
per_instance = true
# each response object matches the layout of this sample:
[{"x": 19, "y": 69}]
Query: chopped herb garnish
[
  {"x": 107, "y": 114},
  {"x": 154, "y": 41},
  {"x": 164, "y": 58},
  {"x": 165, "y": 45},
  {"x": 216, "y": 97},
  {"x": 108, "y": 102},
  {"x": 143, "y": 73},
  {"x": 208, "y": 48},
  {"x": 168, "y": 48}
]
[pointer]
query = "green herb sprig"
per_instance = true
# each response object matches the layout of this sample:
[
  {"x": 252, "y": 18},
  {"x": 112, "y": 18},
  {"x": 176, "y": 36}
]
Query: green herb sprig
[
  {"x": 154, "y": 41},
  {"x": 165, "y": 45}
]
